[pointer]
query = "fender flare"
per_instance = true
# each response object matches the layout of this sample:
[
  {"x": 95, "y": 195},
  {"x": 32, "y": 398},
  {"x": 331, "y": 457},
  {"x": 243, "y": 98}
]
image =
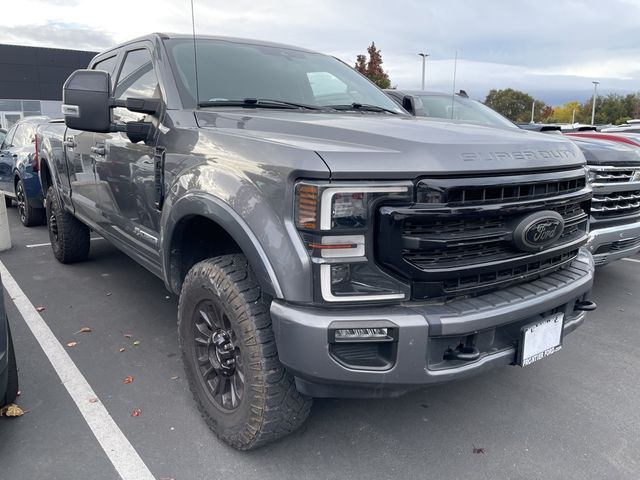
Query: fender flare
[{"x": 208, "y": 206}]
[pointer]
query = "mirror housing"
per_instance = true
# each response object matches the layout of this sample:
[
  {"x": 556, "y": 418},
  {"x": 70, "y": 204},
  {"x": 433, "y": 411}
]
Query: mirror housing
[
  {"x": 86, "y": 101},
  {"x": 413, "y": 105}
]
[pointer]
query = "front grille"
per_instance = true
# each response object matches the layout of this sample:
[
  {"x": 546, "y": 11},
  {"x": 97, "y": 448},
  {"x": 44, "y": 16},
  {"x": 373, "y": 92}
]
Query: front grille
[
  {"x": 612, "y": 175},
  {"x": 618, "y": 245},
  {"x": 616, "y": 204},
  {"x": 466, "y": 247},
  {"x": 515, "y": 192}
]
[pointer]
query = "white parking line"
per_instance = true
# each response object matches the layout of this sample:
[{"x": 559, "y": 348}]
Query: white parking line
[
  {"x": 631, "y": 260},
  {"x": 35, "y": 245},
  {"x": 120, "y": 452}
]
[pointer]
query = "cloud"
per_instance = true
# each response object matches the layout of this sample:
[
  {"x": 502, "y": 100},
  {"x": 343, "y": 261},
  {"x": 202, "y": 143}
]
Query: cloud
[{"x": 71, "y": 36}]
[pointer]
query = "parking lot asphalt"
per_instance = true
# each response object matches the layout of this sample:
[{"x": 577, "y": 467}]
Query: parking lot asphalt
[{"x": 573, "y": 415}]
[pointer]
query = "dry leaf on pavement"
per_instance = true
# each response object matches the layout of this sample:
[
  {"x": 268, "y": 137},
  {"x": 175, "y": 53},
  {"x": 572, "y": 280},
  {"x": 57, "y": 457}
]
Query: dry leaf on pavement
[
  {"x": 136, "y": 343},
  {"x": 121, "y": 349},
  {"x": 85, "y": 330},
  {"x": 11, "y": 410},
  {"x": 136, "y": 412},
  {"x": 40, "y": 308},
  {"x": 72, "y": 344},
  {"x": 127, "y": 379}
]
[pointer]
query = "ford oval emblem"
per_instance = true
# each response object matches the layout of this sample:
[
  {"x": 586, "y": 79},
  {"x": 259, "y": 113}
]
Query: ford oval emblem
[{"x": 538, "y": 230}]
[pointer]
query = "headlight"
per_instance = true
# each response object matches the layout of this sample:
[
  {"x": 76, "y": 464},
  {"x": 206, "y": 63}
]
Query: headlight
[{"x": 334, "y": 221}]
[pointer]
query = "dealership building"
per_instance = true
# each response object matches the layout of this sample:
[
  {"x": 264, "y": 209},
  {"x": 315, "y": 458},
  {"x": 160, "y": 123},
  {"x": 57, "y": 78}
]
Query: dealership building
[{"x": 31, "y": 80}]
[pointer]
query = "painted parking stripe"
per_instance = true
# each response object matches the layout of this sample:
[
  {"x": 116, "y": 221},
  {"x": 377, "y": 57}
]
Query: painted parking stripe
[
  {"x": 35, "y": 245},
  {"x": 120, "y": 452},
  {"x": 631, "y": 260}
]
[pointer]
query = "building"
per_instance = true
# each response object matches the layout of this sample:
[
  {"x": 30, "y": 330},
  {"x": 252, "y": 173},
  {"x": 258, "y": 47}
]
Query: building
[{"x": 31, "y": 80}]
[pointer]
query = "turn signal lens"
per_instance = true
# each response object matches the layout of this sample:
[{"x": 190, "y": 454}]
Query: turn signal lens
[{"x": 306, "y": 206}]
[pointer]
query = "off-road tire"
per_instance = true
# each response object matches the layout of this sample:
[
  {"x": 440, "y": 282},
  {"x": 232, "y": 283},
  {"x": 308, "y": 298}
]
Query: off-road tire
[
  {"x": 69, "y": 236},
  {"x": 271, "y": 407},
  {"x": 12, "y": 375},
  {"x": 29, "y": 216}
]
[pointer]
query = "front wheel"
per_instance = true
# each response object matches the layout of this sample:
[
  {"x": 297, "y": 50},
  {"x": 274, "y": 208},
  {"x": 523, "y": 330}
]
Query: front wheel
[
  {"x": 242, "y": 390},
  {"x": 29, "y": 216},
  {"x": 70, "y": 238}
]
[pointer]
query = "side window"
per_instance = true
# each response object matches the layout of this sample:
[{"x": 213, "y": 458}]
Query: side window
[
  {"x": 23, "y": 135},
  {"x": 9, "y": 138},
  {"x": 137, "y": 79},
  {"x": 108, "y": 65}
]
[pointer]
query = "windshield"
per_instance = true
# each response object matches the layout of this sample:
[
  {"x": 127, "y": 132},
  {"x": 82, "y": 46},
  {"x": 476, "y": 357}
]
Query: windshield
[
  {"x": 237, "y": 71},
  {"x": 463, "y": 109}
]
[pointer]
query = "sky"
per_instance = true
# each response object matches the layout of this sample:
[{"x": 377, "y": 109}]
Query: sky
[{"x": 552, "y": 49}]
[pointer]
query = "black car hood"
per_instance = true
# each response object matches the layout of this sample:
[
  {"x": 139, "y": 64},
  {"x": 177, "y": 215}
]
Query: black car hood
[
  {"x": 397, "y": 146},
  {"x": 605, "y": 152}
]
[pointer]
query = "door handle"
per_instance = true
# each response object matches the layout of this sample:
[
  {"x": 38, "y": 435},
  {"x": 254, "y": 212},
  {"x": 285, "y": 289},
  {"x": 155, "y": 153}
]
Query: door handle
[
  {"x": 70, "y": 142},
  {"x": 97, "y": 150}
]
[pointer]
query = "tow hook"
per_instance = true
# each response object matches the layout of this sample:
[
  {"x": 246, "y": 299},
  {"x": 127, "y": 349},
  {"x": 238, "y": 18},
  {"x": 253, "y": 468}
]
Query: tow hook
[
  {"x": 585, "y": 306},
  {"x": 464, "y": 353}
]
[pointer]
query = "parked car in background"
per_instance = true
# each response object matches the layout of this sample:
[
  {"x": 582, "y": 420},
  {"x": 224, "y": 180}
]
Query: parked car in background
[
  {"x": 3, "y": 133},
  {"x": 632, "y": 126},
  {"x": 627, "y": 138},
  {"x": 614, "y": 169},
  {"x": 8, "y": 367},
  {"x": 19, "y": 171}
]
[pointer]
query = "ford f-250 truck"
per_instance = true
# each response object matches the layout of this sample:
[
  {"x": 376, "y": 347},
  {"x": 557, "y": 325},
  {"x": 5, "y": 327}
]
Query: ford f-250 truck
[{"x": 323, "y": 242}]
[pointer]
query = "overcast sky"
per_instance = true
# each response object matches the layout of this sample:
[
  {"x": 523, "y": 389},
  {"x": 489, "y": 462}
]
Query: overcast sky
[{"x": 552, "y": 49}]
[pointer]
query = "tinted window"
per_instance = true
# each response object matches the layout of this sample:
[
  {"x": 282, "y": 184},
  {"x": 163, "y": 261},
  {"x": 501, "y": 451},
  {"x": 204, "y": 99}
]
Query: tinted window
[
  {"x": 235, "y": 71},
  {"x": 137, "y": 77},
  {"x": 108, "y": 65},
  {"x": 463, "y": 109}
]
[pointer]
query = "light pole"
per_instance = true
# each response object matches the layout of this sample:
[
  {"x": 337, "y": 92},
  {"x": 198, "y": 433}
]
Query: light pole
[
  {"x": 533, "y": 110},
  {"x": 424, "y": 59},
  {"x": 593, "y": 109}
]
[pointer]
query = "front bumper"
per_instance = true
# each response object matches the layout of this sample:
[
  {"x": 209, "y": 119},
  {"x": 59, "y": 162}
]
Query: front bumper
[
  {"x": 613, "y": 243},
  {"x": 423, "y": 333}
]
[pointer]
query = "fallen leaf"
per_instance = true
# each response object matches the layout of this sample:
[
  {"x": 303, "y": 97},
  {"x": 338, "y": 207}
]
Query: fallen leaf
[
  {"x": 136, "y": 412},
  {"x": 126, "y": 335},
  {"x": 40, "y": 308},
  {"x": 136, "y": 343},
  {"x": 19, "y": 393},
  {"x": 72, "y": 344},
  {"x": 93, "y": 400},
  {"x": 479, "y": 451},
  {"x": 108, "y": 294},
  {"x": 84, "y": 330},
  {"x": 127, "y": 379},
  {"x": 11, "y": 410},
  {"x": 121, "y": 349},
  {"x": 175, "y": 377}
]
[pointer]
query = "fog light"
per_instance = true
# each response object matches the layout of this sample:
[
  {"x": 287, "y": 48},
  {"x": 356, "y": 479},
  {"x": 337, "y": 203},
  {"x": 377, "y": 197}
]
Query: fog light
[{"x": 363, "y": 335}]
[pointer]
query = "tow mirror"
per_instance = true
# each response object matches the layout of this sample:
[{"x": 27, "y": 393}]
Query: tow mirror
[
  {"x": 85, "y": 101},
  {"x": 413, "y": 105}
]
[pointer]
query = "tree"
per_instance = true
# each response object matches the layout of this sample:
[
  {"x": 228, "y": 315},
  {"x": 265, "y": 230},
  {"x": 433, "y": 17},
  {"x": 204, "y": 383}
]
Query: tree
[
  {"x": 372, "y": 68},
  {"x": 564, "y": 113},
  {"x": 514, "y": 104}
]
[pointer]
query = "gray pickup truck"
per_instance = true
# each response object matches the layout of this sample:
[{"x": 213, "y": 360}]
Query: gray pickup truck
[{"x": 323, "y": 242}]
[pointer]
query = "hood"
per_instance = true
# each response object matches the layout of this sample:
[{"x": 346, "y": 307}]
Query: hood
[
  {"x": 371, "y": 146},
  {"x": 605, "y": 152}
]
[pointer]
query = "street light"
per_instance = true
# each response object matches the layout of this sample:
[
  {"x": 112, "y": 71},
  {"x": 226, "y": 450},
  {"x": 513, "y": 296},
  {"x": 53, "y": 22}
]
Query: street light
[
  {"x": 424, "y": 59},
  {"x": 593, "y": 109}
]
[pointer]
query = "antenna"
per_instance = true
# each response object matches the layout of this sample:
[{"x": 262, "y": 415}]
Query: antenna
[
  {"x": 453, "y": 91},
  {"x": 195, "y": 55}
]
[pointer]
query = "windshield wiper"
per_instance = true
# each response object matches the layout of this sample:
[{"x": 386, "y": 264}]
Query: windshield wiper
[
  {"x": 362, "y": 107},
  {"x": 259, "y": 102}
]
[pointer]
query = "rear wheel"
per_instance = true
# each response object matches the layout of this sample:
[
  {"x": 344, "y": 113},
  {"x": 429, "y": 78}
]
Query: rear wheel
[
  {"x": 12, "y": 377},
  {"x": 242, "y": 390},
  {"x": 69, "y": 236},
  {"x": 29, "y": 216}
]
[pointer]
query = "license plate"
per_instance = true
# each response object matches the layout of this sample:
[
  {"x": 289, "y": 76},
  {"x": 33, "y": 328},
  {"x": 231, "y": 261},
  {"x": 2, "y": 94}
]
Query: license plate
[{"x": 541, "y": 339}]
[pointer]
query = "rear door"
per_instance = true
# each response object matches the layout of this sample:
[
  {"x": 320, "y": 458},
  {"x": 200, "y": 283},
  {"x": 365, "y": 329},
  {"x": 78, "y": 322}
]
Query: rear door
[{"x": 125, "y": 172}]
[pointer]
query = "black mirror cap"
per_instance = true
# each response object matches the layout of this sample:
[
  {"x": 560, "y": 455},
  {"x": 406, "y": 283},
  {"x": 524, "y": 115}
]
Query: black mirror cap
[
  {"x": 86, "y": 101},
  {"x": 408, "y": 104}
]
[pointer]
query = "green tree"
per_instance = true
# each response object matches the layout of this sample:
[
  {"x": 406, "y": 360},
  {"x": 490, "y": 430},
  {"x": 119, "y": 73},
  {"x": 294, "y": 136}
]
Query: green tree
[
  {"x": 564, "y": 113},
  {"x": 372, "y": 68},
  {"x": 515, "y": 105}
]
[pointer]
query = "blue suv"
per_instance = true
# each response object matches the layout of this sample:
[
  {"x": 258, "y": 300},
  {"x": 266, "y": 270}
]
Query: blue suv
[{"x": 19, "y": 166}]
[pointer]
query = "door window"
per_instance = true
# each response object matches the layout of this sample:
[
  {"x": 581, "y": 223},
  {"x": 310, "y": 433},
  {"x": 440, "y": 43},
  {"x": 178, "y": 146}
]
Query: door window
[
  {"x": 8, "y": 139},
  {"x": 137, "y": 79},
  {"x": 107, "y": 65}
]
